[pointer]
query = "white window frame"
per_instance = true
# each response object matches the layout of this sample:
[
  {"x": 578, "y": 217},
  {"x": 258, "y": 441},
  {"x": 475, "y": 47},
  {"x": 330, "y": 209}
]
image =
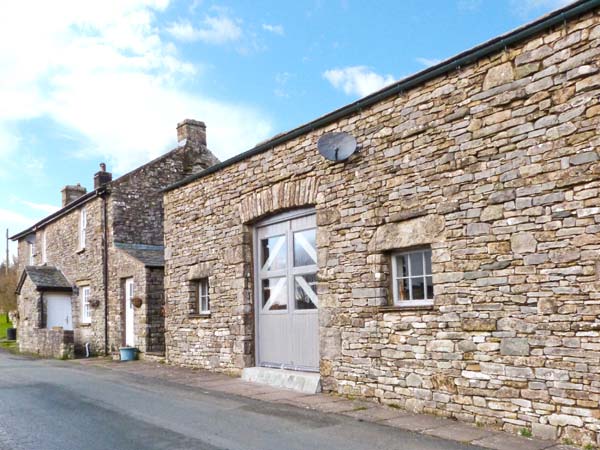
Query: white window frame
[
  {"x": 203, "y": 295},
  {"x": 44, "y": 254},
  {"x": 409, "y": 278},
  {"x": 86, "y": 313},
  {"x": 31, "y": 255},
  {"x": 82, "y": 227}
]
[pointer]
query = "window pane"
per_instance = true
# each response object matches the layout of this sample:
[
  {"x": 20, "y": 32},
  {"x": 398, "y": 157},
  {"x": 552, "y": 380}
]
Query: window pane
[
  {"x": 403, "y": 292},
  {"x": 273, "y": 251},
  {"x": 429, "y": 287},
  {"x": 416, "y": 264},
  {"x": 427, "y": 262},
  {"x": 418, "y": 288},
  {"x": 274, "y": 292},
  {"x": 401, "y": 266},
  {"x": 305, "y": 291},
  {"x": 204, "y": 304},
  {"x": 305, "y": 248}
]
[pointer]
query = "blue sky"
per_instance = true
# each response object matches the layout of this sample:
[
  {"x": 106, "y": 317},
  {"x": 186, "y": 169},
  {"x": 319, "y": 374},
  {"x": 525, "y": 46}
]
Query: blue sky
[{"x": 84, "y": 82}]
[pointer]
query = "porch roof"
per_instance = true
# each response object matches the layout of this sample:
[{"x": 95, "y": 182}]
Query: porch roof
[{"x": 45, "y": 278}]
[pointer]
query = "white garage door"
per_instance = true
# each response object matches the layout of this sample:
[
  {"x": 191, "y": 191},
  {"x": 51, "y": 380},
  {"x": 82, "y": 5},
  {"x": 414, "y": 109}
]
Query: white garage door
[
  {"x": 59, "y": 311},
  {"x": 287, "y": 306}
]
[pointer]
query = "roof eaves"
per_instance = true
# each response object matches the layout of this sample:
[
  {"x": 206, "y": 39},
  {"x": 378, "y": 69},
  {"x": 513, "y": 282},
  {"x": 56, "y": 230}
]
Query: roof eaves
[
  {"x": 61, "y": 212},
  {"x": 545, "y": 22}
]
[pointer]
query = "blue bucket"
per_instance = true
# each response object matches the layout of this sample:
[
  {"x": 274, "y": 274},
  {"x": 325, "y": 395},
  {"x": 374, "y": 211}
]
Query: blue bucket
[{"x": 128, "y": 353}]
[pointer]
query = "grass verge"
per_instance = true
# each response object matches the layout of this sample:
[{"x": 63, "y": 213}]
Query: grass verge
[{"x": 4, "y": 324}]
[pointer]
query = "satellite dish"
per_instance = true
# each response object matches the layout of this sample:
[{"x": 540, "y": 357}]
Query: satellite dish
[{"x": 336, "y": 146}]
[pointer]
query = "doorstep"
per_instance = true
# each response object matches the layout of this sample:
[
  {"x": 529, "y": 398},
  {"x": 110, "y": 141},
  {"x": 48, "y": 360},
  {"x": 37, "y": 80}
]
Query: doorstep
[{"x": 304, "y": 382}]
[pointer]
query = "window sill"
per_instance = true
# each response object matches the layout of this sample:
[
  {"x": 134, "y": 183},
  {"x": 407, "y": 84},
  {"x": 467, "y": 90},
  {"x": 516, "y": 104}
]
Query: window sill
[
  {"x": 199, "y": 316},
  {"x": 85, "y": 325},
  {"x": 81, "y": 250},
  {"x": 402, "y": 308}
]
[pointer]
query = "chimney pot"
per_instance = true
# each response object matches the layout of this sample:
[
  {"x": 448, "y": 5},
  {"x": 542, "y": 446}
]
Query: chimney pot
[{"x": 191, "y": 131}]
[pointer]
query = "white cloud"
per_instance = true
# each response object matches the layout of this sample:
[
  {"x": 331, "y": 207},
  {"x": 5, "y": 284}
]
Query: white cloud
[
  {"x": 276, "y": 29},
  {"x": 428, "y": 62},
  {"x": 525, "y": 7},
  {"x": 357, "y": 80},
  {"x": 14, "y": 222},
  {"x": 214, "y": 30},
  {"x": 102, "y": 72},
  {"x": 48, "y": 209},
  {"x": 469, "y": 5}
]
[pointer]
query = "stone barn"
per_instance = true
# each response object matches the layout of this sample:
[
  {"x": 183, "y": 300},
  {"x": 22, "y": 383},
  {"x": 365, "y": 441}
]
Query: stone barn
[{"x": 449, "y": 265}]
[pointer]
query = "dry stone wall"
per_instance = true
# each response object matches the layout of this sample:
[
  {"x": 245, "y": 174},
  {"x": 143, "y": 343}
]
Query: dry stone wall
[{"x": 496, "y": 166}]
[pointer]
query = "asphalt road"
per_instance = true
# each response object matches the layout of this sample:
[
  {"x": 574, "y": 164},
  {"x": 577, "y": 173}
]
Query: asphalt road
[{"x": 48, "y": 405}]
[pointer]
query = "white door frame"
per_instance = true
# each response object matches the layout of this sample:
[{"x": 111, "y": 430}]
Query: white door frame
[
  {"x": 284, "y": 217},
  {"x": 129, "y": 313}
]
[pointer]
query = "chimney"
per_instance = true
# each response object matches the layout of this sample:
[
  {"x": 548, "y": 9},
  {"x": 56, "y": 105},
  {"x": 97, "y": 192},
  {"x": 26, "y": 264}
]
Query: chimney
[
  {"x": 191, "y": 131},
  {"x": 102, "y": 177},
  {"x": 72, "y": 193}
]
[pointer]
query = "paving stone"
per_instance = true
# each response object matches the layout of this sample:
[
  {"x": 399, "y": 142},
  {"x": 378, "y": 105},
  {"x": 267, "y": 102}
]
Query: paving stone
[
  {"x": 418, "y": 422},
  {"x": 504, "y": 441},
  {"x": 458, "y": 432}
]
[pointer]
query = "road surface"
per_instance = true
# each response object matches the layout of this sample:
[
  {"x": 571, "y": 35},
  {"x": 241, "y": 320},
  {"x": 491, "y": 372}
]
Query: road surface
[{"x": 58, "y": 405}]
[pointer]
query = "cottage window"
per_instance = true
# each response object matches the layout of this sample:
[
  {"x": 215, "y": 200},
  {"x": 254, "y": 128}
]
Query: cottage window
[
  {"x": 86, "y": 314},
  {"x": 411, "y": 278},
  {"x": 82, "y": 227},
  {"x": 203, "y": 296},
  {"x": 44, "y": 256},
  {"x": 31, "y": 252}
]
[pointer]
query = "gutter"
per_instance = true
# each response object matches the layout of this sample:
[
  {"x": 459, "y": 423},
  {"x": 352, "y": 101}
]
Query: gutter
[
  {"x": 61, "y": 212},
  {"x": 494, "y": 45}
]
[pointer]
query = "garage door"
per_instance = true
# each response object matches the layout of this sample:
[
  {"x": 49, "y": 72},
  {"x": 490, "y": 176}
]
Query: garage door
[{"x": 287, "y": 302}]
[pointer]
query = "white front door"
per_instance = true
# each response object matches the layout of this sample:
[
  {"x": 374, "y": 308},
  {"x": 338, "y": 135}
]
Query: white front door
[
  {"x": 287, "y": 303},
  {"x": 59, "y": 311},
  {"x": 129, "y": 325}
]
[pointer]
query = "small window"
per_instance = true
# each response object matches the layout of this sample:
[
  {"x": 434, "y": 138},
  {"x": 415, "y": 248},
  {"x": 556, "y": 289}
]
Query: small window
[
  {"x": 411, "y": 277},
  {"x": 30, "y": 257},
  {"x": 203, "y": 296},
  {"x": 86, "y": 313},
  {"x": 44, "y": 256},
  {"x": 82, "y": 227}
]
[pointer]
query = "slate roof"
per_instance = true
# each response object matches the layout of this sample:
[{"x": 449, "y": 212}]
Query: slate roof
[
  {"x": 463, "y": 59},
  {"x": 149, "y": 255},
  {"x": 45, "y": 278}
]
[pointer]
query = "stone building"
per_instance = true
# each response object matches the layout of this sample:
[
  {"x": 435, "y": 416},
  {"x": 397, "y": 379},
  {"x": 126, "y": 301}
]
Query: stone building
[
  {"x": 92, "y": 272},
  {"x": 450, "y": 265}
]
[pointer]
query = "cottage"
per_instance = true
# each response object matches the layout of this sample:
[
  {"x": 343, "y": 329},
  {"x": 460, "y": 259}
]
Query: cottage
[
  {"x": 450, "y": 265},
  {"x": 92, "y": 272}
]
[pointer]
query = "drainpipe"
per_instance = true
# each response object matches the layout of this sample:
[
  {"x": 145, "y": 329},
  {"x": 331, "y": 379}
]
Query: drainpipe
[
  {"x": 105, "y": 268},
  {"x": 42, "y": 321}
]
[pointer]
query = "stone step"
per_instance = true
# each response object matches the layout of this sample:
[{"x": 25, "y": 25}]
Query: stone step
[{"x": 305, "y": 382}]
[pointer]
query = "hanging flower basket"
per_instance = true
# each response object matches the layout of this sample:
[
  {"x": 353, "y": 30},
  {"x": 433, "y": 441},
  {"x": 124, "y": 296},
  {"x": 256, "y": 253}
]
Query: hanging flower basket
[{"x": 137, "y": 301}]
